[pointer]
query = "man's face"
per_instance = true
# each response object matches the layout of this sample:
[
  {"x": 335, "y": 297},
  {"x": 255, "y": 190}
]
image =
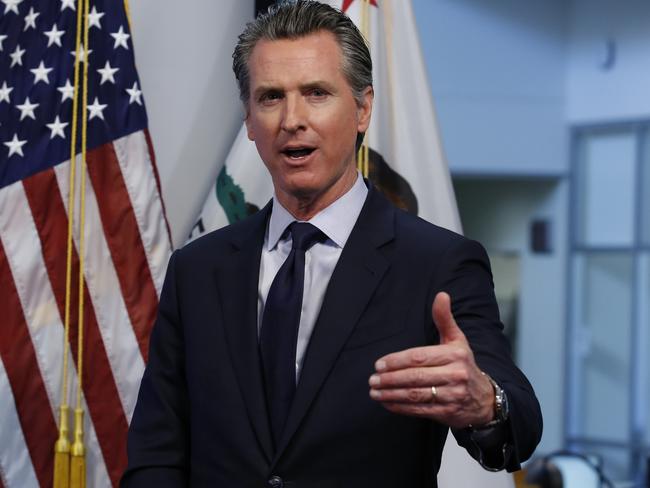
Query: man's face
[{"x": 303, "y": 117}]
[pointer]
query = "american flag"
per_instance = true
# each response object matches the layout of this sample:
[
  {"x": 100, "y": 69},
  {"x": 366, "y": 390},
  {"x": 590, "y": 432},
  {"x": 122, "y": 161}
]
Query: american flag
[{"x": 126, "y": 235}]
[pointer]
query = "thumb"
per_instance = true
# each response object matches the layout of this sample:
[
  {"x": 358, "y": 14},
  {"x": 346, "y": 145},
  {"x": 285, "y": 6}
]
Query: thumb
[{"x": 444, "y": 320}]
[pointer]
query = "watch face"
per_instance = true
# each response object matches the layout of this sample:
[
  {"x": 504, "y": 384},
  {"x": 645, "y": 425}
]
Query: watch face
[{"x": 502, "y": 405}]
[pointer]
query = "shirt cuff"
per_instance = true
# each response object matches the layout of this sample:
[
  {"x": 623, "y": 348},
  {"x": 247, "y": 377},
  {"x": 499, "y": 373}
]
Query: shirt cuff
[{"x": 492, "y": 446}]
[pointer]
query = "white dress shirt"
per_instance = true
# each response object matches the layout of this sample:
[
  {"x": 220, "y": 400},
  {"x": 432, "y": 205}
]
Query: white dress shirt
[{"x": 336, "y": 222}]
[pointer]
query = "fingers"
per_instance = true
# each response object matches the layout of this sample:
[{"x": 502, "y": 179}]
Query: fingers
[
  {"x": 421, "y": 357},
  {"x": 404, "y": 395},
  {"x": 444, "y": 395},
  {"x": 419, "y": 377},
  {"x": 414, "y": 385},
  {"x": 443, "y": 318}
]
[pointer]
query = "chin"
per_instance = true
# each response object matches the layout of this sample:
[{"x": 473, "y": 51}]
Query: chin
[
  {"x": 302, "y": 183},
  {"x": 303, "y": 191}
]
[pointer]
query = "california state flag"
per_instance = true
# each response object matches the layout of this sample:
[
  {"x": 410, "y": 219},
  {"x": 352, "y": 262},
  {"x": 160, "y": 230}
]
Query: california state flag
[{"x": 405, "y": 161}]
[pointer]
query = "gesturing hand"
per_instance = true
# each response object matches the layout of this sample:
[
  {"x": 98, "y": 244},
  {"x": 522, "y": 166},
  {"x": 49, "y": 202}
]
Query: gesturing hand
[{"x": 404, "y": 380}]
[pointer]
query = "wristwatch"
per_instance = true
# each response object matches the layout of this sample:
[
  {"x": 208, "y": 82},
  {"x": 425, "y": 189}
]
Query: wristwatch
[
  {"x": 501, "y": 409},
  {"x": 492, "y": 445}
]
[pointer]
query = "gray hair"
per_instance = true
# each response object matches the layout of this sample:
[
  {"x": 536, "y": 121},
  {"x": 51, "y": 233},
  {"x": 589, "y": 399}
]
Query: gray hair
[{"x": 292, "y": 19}]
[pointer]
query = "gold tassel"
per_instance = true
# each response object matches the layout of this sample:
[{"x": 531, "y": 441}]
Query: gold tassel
[
  {"x": 78, "y": 457},
  {"x": 62, "y": 452}
]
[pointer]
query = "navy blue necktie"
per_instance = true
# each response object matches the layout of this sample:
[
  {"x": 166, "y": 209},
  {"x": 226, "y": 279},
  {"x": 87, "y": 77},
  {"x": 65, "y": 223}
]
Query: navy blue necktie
[{"x": 280, "y": 323}]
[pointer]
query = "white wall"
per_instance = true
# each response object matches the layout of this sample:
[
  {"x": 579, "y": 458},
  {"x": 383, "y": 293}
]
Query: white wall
[
  {"x": 598, "y": 94},
  {"x": 497, "y": 76},
  {"x": 194, "y": 112}
]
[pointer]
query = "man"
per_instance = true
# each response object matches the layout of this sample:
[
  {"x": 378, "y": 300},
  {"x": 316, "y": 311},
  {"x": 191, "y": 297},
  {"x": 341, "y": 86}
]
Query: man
[{"x": 330, "y": 339}]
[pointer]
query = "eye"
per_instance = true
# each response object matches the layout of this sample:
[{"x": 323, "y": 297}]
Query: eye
[
  {"x": 270, "y": 97},
  {"x": 318, "y": 93}
]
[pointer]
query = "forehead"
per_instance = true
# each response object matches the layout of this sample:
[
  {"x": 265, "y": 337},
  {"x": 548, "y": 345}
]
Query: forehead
[{"x": 313, "y": 55}]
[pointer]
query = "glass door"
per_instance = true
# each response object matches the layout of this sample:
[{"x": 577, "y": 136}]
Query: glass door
[{"x": 609, "y": 278}]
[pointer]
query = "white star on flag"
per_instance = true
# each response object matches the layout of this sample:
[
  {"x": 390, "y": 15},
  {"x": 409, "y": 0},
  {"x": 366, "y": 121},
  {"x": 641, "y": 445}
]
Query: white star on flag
[
  {"x": 67, "y": 4},
  {"x": 17, "y": 56},
  {"x": 94, "y": 17},
  {"x": 135, "y": 95},
  {"x": 120, "y": 38},
  {"x": 54, "y": 36},
  {"x": 96, "y": 110},
  {"x": 41, "y": 73},
  {"x": 107, "y": 73},
  {"x": 11, "y": 5},
  {"x": 30, "y": 19},
  {"x": 4, "y": 92},
  {"x": 67, "y": 91},
  {"x": 27, "y": 109},
  {"x": 82, "y": 54},
  {"x": 15, "y": 146},
  {"x": 2, "y": 38},
  {"x": 57, "y": 128}
]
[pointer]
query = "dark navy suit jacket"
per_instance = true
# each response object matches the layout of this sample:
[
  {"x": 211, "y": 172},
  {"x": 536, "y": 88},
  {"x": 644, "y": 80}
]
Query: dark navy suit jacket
[{"x": 201, "y": 418}]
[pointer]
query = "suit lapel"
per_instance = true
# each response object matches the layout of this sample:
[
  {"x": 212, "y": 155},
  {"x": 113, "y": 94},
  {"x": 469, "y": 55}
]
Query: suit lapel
[
  {"x": 358, "y": 272},
  {"x": 237, "y": 283}
]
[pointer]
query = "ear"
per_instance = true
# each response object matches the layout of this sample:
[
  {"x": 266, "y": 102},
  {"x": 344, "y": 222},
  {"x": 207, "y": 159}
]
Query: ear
[
  {"x": 365, "y": 109},
  {"x": 249, "y": 125}
]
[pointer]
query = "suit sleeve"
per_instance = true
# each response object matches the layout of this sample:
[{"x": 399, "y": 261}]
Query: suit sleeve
[
  {"x": 158, "y": 435},
  {"x": 466, "y": 276}
]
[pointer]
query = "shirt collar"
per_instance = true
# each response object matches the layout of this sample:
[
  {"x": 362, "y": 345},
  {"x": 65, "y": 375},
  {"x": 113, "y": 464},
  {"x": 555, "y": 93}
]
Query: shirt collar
[{"x": 336, "y": 221}]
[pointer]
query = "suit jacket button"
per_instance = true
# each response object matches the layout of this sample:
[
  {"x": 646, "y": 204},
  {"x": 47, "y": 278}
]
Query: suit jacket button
[{"x": 276, "y": 482}]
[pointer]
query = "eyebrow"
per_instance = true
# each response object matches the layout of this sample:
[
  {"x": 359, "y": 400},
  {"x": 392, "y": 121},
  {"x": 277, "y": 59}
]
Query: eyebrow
[
  {"x": 318, "y": 84},
  {"x": 306, "y": 86}
]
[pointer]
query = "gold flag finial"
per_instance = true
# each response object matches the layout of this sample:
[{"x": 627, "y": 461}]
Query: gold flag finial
[{"x": 62, "y": 451}]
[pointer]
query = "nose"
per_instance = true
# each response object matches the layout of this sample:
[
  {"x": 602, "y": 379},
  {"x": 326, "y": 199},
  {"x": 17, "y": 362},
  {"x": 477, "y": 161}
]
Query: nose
[{"x": 294, "y": 116}]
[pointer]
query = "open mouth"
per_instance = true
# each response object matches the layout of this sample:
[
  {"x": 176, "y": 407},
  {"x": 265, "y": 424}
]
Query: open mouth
[{"x": 298, "y": 152}]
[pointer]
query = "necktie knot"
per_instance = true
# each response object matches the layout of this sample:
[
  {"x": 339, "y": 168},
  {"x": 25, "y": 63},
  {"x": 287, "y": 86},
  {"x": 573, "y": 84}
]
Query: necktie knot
[{"x": 304, "y": 235}]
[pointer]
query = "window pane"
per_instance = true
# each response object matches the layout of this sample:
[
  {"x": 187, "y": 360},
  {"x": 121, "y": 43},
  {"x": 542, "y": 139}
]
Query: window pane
[
  {"x": 645, "y": 192},
  {"x": 643, "y": 346},
  {"x": 607, "y": 189},
  {"x": 603, "y": 285}
]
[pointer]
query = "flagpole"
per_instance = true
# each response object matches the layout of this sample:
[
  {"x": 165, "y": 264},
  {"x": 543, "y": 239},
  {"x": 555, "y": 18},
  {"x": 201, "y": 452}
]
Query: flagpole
[{"x": 363, "y": 163}]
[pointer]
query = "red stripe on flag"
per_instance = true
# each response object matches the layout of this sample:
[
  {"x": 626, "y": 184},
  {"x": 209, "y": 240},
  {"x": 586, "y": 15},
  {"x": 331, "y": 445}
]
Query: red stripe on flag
[
  {"x": 100, "y": 388},
  {"x": 154, "y": 166},
  {"x": 18, "y": 355},
  {"x": 124, "y": 242}
]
